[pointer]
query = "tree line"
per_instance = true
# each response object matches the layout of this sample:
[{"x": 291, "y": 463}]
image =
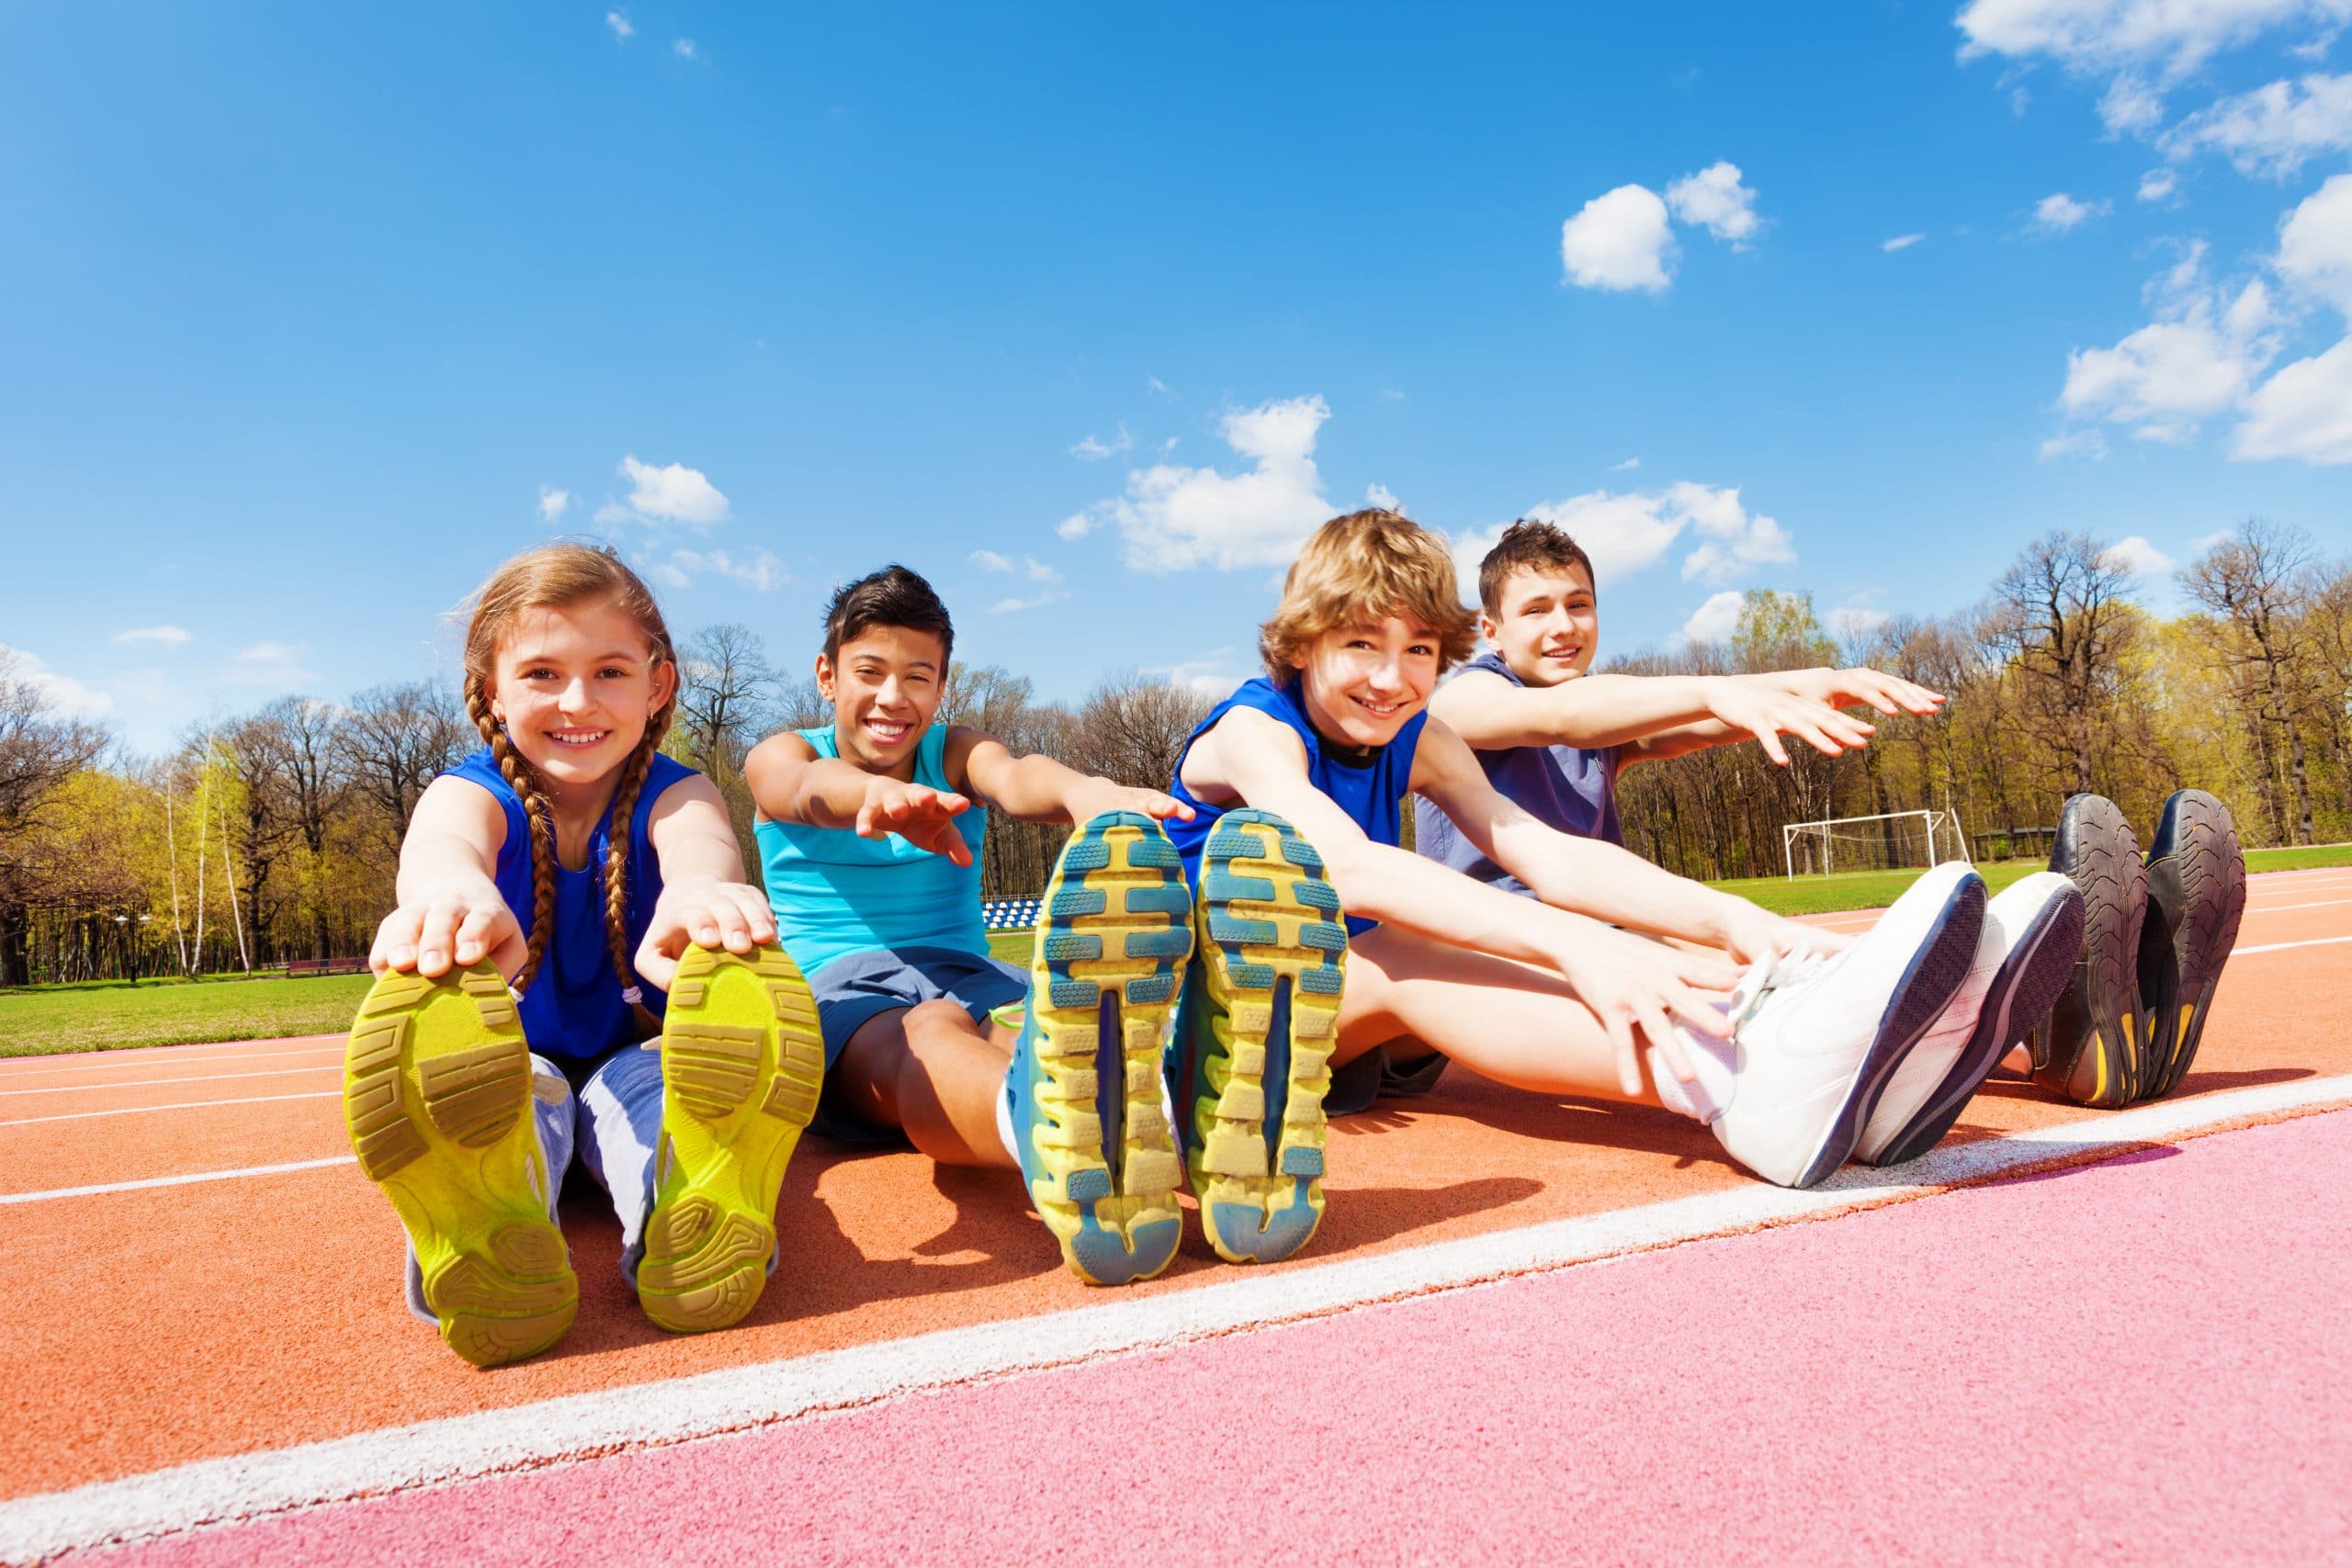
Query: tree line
[{"x": 273, "y": 835}]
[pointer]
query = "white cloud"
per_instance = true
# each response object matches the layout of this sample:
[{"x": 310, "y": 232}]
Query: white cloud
[
  {"x": 1173, "y": 517},
  {"x": 2304, "y": 410},
  {"x": 1715, "y": 200},
  {"x": 268, "y": 664},
  {"x": 2058, "y": 213},
  {"x": 2315, "y": 246},
  {"x": 682, "y": 48},
  {"x": 1211, "y": 675},
  {"x": 1094, "y": 451},
  {"x": 989, "y": 560},
  {"x": 760, "y": 571},
  {"x": 619, "y": 23},
  {"x": 1013, "y": 605},
  {"x": 2272, "y": 130},
  {"x": 2019, "y": 99},
  {"x": 1626, "y": 533},
  {"x": 1157, "y": 387},
  {"x": 169, "y": 636},
  {"x": 2171, "y": 37},
  {"x": 2130, "y": 107},
  {"x": 1714, "y": 621},
  {"x": 2158, "y": 185},
  {"x": 1901, "y": 241},
  {"x": 1384, "y": 498},
  {"x": 1620, "y": 240},
  {"x": 269, "y": 653},
  {"x": 2202, "y": 354},
  {"x": 1626, "y": 466},
  {"x": 1856, "y": 619},
  {"x": 672, "y": 493},
  {"x": 554, "y": 502},
  {"x": 2090, "y": 444},
  {"x": 2136, "y": 556},
  {"x": 62, "y": 692}
]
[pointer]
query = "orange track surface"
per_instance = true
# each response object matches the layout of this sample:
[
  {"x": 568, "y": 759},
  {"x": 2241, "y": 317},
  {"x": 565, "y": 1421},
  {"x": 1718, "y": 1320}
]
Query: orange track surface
[{"x": 152, "y": 1327}]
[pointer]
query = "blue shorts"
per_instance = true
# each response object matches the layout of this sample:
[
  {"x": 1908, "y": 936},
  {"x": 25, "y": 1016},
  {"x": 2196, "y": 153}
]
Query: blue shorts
[{"x": 856, "y": 986}]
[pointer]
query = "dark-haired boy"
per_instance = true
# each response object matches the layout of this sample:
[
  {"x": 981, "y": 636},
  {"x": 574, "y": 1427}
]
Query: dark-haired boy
[
  {"x": 869, "y": 831},
  {"x": 1553, "y": 738}
]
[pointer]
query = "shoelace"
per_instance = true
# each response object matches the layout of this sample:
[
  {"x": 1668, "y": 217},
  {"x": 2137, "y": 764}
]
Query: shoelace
[{"x": 1778, "y": 972}]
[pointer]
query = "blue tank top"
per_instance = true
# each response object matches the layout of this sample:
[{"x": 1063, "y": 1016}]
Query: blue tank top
[
  {"x": 1370, "y": 792},
  {"x": 573, "y": 1007},
  {"x": 1567, "y": 788},
  {"x": 835, "y": 894}
]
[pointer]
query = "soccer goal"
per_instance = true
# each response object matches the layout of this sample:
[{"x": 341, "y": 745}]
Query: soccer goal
[{"x": 1885, "y": 842}]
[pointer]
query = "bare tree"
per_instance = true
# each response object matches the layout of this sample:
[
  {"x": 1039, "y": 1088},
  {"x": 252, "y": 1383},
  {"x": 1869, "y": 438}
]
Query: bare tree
[
  {"x": 2063, "y": 614},
  {"x": 41, "y": 747},
  {"x": 726, "y": 684},
  {"x": 397, "y": 738},
  {"x": 299, "y": 740},
  {"x": 2256, "y": 580},
  {"x": 1133, "y": 728}
]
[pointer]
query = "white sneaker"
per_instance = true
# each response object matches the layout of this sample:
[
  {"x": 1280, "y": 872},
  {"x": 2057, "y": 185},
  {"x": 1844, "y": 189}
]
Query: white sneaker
[
  {"x": 2033, "y": 933},
  {"x": 1815, "y": 1042}
]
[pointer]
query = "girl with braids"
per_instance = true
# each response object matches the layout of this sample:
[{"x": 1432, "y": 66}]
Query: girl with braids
[{"x": 552, "y": 887}]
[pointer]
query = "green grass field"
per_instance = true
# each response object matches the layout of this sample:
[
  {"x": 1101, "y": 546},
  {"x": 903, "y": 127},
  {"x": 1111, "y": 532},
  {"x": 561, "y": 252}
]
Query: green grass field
[{"x": 112, "y": 1016}]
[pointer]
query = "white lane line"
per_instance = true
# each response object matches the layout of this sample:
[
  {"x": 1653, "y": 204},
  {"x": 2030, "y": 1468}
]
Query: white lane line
[
  {"x": 2282, "y": 908},
  {"x": 148, "y": 1055},
  {"x": 2282, "y": 946},
  {"x": 151, "y": 1083},
  {"x": 491, "y": 1443},
  {"x": 194, "y": 1176},
  {"x": 188, "y": 1105}
]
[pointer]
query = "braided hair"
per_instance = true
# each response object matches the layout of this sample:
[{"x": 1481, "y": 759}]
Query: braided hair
[{"x": 552, "y": 577}]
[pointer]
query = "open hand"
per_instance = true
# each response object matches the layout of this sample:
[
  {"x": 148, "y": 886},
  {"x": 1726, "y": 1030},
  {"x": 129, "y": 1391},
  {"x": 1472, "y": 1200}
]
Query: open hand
[
  {"x": 453, "y": 926},
  {"x": 922, "y": 816},
  {"x": 1640, "y": 989},
  {"x": 1766, "y": 708},
  {"x": 1096, "y": 796},
  {"x": 1859, "y": 686},
  {"x": 732, "y": 915}
]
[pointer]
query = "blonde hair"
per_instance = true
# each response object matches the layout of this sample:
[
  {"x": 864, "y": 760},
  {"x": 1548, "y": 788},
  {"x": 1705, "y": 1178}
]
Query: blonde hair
[
  {"x": 1365, "y": 566},
  {"x": 555, "y": 577}
]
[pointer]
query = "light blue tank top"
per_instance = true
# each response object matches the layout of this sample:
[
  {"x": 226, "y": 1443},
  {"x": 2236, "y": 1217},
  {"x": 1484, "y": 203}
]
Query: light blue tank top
[
  {"x": 573, "y": 1007},
  {"x": 835, "y": 894}
]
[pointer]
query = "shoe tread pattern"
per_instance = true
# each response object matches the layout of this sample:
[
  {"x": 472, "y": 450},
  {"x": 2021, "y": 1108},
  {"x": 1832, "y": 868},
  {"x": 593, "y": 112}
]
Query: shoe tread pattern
[
  {"x": 2197, "y": 862},
  {"x": 2090, "y": 1047},
  {"x": 1114, "y": 933},
  {"x": 742, "y": 1065},
  {"x": 436, "y": 1099},
  {"x": 1275, "y": 970}
]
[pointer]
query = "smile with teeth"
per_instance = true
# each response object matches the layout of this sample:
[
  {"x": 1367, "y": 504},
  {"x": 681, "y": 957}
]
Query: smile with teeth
[
  {"x": 577, "y": 738},
  {"x": 1378, "y": 710},
  {"x": 887, "y": 730}
]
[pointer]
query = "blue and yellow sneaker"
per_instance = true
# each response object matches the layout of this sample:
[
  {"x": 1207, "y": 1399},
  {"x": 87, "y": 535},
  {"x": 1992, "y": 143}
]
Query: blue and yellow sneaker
[
  {"x": 1083, "y": 1095},
  {"x": 741, "y": 1065},
  {"x": 1261, "y": 1019},
  {"x": 437, "y": 1096}
]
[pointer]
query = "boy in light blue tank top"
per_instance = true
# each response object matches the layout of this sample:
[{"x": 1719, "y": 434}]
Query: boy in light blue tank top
[{"x": 870, "y": 832}]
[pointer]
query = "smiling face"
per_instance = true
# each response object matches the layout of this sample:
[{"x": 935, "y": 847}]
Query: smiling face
[
  {"x": 575, "y": 685},
  {"x": 1546, "y": 625},
  {"x": 1361, "y": 683},
  {"x": 885, "y": 684}
]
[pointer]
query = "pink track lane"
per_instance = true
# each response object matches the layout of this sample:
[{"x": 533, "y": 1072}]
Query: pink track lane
[{"x": 2133, "y": 1362}]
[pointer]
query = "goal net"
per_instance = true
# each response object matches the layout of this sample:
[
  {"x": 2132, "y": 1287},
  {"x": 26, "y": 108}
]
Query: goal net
[{"x": 1885, "y": 842}]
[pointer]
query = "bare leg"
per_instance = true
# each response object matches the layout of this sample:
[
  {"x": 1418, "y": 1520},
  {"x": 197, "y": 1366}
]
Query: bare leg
[
  {"x": 932, "y": 1071},
  {"x": 1511, "y": 1022}
]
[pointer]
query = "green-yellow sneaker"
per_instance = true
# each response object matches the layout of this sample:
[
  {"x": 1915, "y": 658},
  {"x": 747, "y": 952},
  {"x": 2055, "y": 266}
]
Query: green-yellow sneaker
[
  {"x": 1260, "y": 1020},
  {"x": 741, "y": 1065},
  {"x": 436, "y": 1095}
]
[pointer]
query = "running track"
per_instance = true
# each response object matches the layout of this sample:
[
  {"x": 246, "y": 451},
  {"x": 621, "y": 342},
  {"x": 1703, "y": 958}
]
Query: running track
[{"x": 2118, "y": 1362}]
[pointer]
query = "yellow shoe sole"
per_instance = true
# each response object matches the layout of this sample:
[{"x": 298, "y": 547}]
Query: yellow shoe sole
[
  {"x": 741, "y": 1065},
  {"x": 437, "y": 1096}
]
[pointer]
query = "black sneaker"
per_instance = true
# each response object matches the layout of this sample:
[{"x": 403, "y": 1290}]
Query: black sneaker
[
  {"x": 2092, "y": 1048},
  {"x": 2195, "y": 895}
]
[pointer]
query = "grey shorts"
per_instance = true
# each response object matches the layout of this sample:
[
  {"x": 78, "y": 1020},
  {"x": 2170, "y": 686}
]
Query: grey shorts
[{"x": 861, "y": 986}]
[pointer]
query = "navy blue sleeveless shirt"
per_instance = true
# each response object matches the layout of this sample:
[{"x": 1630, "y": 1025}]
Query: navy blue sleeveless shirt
[
  {"x": 573, "y": 1007},
  {"x": 1370, "y": 792}
]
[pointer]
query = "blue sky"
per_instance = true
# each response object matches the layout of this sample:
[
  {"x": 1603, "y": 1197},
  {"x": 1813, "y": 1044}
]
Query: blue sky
[{"x": 308, "y": 315}]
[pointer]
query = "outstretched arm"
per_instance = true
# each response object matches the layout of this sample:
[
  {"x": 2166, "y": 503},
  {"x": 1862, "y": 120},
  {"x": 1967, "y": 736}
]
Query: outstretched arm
[
  {"x": 1630, "y": 985},
  {"x": 449, "y": 911},
  {"x": 790, "y": 783},
  {"x": 1811, "y": 690},
  {"x": 705, "y": 898},
  {"x": 1589, "y": 876},
  {"x": 1036, "y": 788},
  {"x": 1639, "y": 712}
]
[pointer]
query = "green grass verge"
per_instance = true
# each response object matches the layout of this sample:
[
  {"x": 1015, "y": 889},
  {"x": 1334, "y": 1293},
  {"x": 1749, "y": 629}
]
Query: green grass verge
[
  {"x": 117, "y": 1017},
  {"x": 113, "y": 1016}
]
